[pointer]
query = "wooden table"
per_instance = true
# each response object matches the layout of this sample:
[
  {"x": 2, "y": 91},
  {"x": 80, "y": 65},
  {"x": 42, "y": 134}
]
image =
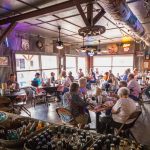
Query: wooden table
[{"x": 15, "y": 97}]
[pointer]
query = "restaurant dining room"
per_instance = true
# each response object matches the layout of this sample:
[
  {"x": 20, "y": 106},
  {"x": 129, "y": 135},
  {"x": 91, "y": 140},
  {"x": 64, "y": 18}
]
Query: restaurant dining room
[{"x": 74, "y": 74}]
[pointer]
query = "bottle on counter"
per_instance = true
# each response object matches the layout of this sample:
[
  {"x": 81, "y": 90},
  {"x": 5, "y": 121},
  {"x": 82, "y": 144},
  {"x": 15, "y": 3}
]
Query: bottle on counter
[
  {"x": 39, "y": 126},
  {"x": 112, "y": 146}
]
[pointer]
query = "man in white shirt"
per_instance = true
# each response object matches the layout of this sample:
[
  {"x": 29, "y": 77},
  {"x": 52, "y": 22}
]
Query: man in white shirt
[
  {"x": 134, "y": 87},
  {"x": 124, "y": 107}
]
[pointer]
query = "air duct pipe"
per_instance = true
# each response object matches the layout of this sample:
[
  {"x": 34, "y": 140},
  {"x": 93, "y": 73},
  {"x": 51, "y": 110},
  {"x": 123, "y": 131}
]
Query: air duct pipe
[{"x": 120, "y": 11}]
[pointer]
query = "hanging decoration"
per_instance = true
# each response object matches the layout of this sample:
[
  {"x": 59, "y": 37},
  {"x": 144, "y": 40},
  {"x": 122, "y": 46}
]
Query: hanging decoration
[
  {"x": 39, "y": 43},
  {"x": 112, "y": 48}
]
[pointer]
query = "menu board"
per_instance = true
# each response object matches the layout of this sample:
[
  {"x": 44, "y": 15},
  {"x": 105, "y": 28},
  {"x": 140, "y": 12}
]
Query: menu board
[{"x": 4, "y": 61}]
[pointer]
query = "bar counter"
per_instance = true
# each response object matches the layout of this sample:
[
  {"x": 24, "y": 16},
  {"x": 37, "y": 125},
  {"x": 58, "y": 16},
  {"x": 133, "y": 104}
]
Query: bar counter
[{"x": 24, "y": 133}]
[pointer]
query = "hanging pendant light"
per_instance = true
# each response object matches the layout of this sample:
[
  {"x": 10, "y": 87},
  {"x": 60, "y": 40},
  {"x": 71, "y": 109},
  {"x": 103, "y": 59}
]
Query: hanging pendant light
[{"x": 59, "y": 43}]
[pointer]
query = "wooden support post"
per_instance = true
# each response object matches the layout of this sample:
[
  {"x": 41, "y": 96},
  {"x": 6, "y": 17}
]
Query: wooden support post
[{"x": 7, "y": 31}]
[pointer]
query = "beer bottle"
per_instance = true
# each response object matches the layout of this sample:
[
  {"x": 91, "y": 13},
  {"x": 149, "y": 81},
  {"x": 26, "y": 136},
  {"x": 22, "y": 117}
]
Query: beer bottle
[{"x": 112, "y": 147}]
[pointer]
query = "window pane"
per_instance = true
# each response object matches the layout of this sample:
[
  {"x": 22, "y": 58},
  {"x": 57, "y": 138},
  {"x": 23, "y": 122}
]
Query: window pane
[
  {"x": 27, "y": 62},
  {"x": 120, "y": 70},
  {"x": 122, "y": 60},
  {"x": 82, "y": 63},
  {"x": 70, "y": 62},
  {"x": 102, "y": 61},
  {"x": 73, "y": 70},
  {"x": 49, "y": 62},
  {"x": 25, "y": 78},
  {"x": 47, "y": 73}
]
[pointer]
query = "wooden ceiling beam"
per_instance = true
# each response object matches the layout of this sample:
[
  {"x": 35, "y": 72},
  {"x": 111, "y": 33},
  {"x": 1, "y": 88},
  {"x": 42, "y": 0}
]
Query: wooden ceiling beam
[
  {"x": 98, "y": 16},
  {"x": 77, "y": 3},
  {"x": 90, "y": 12},
  {"x": 7, "y": 31},
  {"x": 51, "y": 9}
]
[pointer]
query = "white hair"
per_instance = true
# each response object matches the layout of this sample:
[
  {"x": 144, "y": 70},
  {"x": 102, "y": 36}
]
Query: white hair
[{"x": 123, "y": 91}]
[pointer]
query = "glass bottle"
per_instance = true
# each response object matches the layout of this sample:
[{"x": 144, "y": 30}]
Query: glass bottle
[
  {"x": 121, "y": 145},
  {"x": 112, "y": 147}
]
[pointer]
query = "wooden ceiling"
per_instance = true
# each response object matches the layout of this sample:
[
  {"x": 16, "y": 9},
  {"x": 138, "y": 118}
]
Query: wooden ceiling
[{"x": 69, "y": 19}]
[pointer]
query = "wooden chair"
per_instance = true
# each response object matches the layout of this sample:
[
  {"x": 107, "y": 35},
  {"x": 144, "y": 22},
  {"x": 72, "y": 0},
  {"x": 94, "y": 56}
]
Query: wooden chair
[
  {"x": 135, "y": 115},
  {"x": 20, "y": 103},
  {"x": 63, "y": 113}
]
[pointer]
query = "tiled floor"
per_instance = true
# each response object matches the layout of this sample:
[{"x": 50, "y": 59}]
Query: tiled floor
[{"x": 141, "y": 129}]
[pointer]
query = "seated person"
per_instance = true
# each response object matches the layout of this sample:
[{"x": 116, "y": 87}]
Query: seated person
[
  {"x": 123, "y": 108},
  {"x": 122, "y": 83},
  {"x": 113, "y": 82},
  {"x": 70, "y": 76},
  {"x": 92, "y": 76},
  {"x": 65, "y": 81},
  {"x": 82, "y": 87},
  {"x": 134, "y": 87},
  {"x": 105, "y": 83},
  {"x": 12, "y": 83},
  {"x": 37, "y": 80},
  {"x": 80, "y": 73},
  {"x": 125, "y": 75},
  {"x": 73, "y": 102},
  {"x": 52, "y": 78}
]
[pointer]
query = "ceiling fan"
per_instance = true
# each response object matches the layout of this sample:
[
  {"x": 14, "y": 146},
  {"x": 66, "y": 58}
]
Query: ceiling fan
[{"x": 59, "y": 43}]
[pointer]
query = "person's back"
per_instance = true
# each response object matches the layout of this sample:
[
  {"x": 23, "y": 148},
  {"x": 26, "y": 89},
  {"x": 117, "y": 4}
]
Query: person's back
[
  {"x": 126, "y": 107},
  {"x": 133, "y": 86}
]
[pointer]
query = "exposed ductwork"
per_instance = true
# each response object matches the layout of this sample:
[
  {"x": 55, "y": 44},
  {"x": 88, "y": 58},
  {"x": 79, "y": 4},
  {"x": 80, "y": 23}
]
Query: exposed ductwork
[{"x": 120, "y": 11}]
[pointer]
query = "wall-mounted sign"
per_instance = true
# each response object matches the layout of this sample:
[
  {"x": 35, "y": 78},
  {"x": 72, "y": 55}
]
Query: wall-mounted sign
[
  {"x": 126, "y": 47},
  {"x": 25, "y": 44},
  {"x": 4, "y": 61},
  {"x": 112, "y": 48}
]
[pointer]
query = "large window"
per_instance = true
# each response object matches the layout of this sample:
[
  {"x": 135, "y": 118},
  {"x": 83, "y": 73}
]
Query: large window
[
  {"x": 28, "y": 65},
  {"x": 49, "y": 64},
  {"x": 73, "y": 64},
  {"x": 82, "y": 64},
  {"x": 116, "y": 63}
]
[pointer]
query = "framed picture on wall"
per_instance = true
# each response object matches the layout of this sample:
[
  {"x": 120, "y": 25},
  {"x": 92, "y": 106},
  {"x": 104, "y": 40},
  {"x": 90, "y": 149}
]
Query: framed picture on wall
[
  {"x": 147, "y": 57},
  {"x": 4, "y": 61}
]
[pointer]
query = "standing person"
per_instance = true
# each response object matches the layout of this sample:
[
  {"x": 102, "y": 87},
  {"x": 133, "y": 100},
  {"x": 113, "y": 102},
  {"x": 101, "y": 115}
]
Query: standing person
[
  {"x": 80, "y": 73},
  {"x": 37, "y": 80},
  {"x": 12, "y": 83},
  {"x": 134, "y": 87}
]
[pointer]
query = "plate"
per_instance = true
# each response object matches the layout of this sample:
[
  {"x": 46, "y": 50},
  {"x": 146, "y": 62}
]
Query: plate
[{"x": 3, "y": 116}]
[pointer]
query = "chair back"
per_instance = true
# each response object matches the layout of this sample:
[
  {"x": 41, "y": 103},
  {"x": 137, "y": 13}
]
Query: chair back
[
  {"x": 64, "y": 114},
  {"x": 135, "y": 115}
]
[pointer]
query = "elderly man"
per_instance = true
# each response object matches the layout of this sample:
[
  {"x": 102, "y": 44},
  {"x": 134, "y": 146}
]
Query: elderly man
[
  {"x": 123, "y": 108},
  {"x": 134, "y": 87}
]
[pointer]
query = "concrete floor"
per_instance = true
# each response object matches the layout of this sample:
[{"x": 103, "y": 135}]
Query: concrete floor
[{"x": 141, "y": 130}]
